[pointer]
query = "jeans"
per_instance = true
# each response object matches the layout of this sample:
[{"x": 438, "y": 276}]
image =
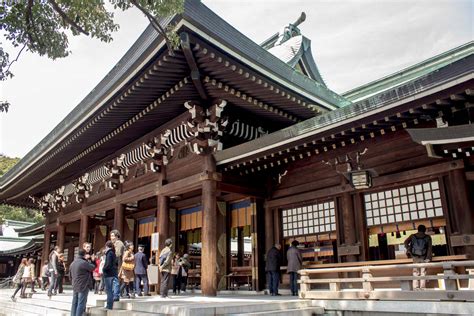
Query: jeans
[
  {"x": 294, "y": 283},
  {"x": 44, "y": 282},
  {"x": 109, "y": 290},
  {"x": 176, "y": 283},
  {"x": 58, "y": 287},
  {"x": 116, "y": 288},
  {"x": 164, "y": 286},
  {"x": 138, "y": 280},
  {"x": 52, "y": 283},
  {"x": 79, "y": 302},
  {"x": 19, "y": 286},
  {"x": 273, "y": 281}
]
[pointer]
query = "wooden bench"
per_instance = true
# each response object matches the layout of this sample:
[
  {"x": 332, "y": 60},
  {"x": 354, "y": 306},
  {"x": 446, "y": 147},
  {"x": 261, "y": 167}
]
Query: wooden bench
[
  {"x": 239, "y": 276},
  {"x": 194, "y": 278}
]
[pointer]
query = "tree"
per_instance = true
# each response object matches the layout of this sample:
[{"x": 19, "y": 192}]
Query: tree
[
  {"x": 11, "y": 212},
  {"x": 41, "y": 26}
]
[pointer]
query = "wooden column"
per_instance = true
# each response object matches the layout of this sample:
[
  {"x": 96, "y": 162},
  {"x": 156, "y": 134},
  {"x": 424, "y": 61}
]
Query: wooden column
[
  {"x": 83, "y": 230},
  {"x": 46, "y": 246},
  {"x": 163, "y": 219},
  {"x": 348, "y": 224},
  {"x": 461, "y": 210},
  {"x": 240, "y": 246},
  {"x": 269, "y": 229},
  {"x": 209, "y": 234},
  {"x": 361, "y": 224},
  {"x": 61, "y": 236},
  {"x": 222, "y": 245},
  {"x": 119, "y": 218}
]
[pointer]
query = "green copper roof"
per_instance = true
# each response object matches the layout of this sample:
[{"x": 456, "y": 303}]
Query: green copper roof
[{"x": 409, "y": 73}]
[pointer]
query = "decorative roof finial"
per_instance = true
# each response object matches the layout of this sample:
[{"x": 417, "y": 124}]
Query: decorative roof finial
[{"x": 291, "y": 30}]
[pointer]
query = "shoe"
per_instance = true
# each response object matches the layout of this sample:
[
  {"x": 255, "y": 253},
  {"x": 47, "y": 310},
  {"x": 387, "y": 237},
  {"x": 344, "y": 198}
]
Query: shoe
[
  {"x": 13, "y": 298},
  {"x": 147, "y": 294},
  {"x": 272, "y": 294},
  {"x": 100, "y": 292},
  {"x": 34, "y": 291},
  {"x": 277, "y": 294},
  {"x": 139, "y": 294},
  {"x": 116, "y": 299}
]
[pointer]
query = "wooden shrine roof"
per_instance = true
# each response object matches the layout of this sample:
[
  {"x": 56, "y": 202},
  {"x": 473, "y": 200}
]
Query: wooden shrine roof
[
  {"x": 386, "y": 111},
  {"x": 148, "y": 87}
]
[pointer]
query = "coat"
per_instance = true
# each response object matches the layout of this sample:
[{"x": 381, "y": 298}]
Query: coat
[
  {"x": 127, "y": 275},
  {"x": 273, "y": 262},
  {"x": 165, "y": 260},
  {"x": 80, "y": 272},
  {"x": 294, "y": 258},
  {"x": 19, "y": 274},
  {"x": 110, "y": 265},
  {"x": 141, "y": 263},
  {"x": 119, "y": 250},
  {"x": 53, "y": 262}
]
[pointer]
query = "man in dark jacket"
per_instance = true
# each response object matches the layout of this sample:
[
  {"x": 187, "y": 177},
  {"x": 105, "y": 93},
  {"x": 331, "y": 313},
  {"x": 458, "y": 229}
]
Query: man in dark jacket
[
  {"x": 141, "y": 264},
  {"x": 80, "y": 273},
  {"x": 110, "y": 272},
  {"x": 419, "y": 247},
  {"x": 295, "y": 261},
  {"x": 272, "y": 266}
]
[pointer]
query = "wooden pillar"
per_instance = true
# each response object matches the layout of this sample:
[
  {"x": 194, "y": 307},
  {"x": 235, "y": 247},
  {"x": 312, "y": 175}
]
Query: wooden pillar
[
  {"x": 209, "y": 234},
  {"x": 163, "y": 219},
  {"x": 222, "y": 245},
  {"x": 461, "y": 210},
  {"x": 361, "y": 224},
  {"x": 61, "y": 236},
  {"x": 269, "y": 229},
  {"x": 258, "y": 245},
  {"x": 348, "y": 224},
  {"x": 46, "y": 246},
  {"x": 119, "y": 218},
  {"x": 83, "y": 232}
]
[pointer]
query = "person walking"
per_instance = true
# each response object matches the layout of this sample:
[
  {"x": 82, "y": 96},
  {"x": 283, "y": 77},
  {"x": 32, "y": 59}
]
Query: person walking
[
  {"x": 53, "y": 271},
  {"x": 141, "y": 275},
  {"x": 110, "y": 272},
  {"x": 176, "y": 274},
  {"x": 165, "y": 267},
  {"x": 33, "y": 274},
  {"x": 18, "y": 276},
  {"x": 26, "y": 277},
  {"x": 185, "y": 265},
  {"x": 80, "y": 274},
  {"x": 272, "y": 267},
  {"x": 119, "y": 250},
  {"x": 419, "y": 247},
  {"x": 44, "y": 275},
  {"x": 61, "y": 273},
  {"x": 126, "y": 271},
  {"x": 295, "y": 262}
]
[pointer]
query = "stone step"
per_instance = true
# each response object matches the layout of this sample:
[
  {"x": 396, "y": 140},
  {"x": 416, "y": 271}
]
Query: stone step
[
  {"x": 176, "y": 307},
  {"x": 307, "y": 311},
  {"x": 40, "y": 300},
  {"x": 28, "y": 307}
]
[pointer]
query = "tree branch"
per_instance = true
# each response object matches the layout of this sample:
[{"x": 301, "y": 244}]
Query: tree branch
[
  {"x": 156, "y": 25},
  {"x": 28, "y": 23},
  {"x": 66, "y": 18},
  {"x": 16, "y": 59}
]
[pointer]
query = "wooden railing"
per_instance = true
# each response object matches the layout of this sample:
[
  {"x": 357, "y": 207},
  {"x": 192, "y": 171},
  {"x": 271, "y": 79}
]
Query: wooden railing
[{"x": 391, "y": 282}]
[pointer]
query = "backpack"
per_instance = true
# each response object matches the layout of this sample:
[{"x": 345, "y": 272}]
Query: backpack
[{"x": 419, "y": 246}]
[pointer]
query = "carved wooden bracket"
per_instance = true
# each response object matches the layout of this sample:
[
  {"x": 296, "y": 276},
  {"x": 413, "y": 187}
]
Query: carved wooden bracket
[
  {"x": 82, "y": 189},
  {"x": 159, "y": 151},
  {"x": 117, "y": 172},
  {"x": 207, "y": 126},
  {"x": 59, "y": 199}
]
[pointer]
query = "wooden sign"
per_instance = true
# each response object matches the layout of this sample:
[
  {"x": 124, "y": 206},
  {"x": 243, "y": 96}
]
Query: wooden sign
[
  {"x": 155, "y": 241},
  {"x": 462, "y": 240},
  {"x": 348, "y": 250}
]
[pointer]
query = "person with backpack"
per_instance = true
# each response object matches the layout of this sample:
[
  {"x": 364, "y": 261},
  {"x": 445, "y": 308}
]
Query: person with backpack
[{"x": 418, "y": 246}]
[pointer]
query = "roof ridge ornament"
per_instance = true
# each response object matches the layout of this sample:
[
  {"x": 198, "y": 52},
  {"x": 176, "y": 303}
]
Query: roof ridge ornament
[{"x": 290, "y": 30}]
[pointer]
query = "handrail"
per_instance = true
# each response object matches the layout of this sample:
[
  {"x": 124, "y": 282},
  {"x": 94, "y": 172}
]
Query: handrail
[
  {"x": 362, "y": 285},
  {"x": 468, "y": 263}
]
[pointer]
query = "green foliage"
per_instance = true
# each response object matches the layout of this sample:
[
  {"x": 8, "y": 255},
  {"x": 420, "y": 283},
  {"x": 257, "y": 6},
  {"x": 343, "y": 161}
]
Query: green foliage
[
  {"x": 10, "y": 212},
  {"x": 42, "y": 27}
]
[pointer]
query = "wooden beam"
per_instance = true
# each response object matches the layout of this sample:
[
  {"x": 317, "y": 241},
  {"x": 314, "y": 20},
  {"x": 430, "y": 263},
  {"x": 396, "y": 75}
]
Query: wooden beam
[
  {"x": 61, "y": 236},
  {"x": 195, "y": 74},
  {"x": 243, "y": 190}
]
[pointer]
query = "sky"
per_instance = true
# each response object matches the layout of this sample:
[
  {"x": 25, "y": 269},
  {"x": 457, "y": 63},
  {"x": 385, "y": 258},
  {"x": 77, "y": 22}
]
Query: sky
[{"x": 353, "y": 43}]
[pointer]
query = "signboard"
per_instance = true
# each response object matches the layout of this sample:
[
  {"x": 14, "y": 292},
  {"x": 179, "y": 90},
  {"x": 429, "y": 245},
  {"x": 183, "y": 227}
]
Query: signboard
[
  {"x": 152, "y": 274},
  {"x": 155, "y": 241}
]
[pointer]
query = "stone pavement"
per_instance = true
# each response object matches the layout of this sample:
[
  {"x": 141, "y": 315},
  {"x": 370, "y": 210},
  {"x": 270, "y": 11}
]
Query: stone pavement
[{"x": 188, "y": 304}]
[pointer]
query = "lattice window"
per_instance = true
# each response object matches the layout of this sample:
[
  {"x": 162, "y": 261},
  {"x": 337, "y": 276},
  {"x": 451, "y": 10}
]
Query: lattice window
[
  {"x": 309, "y": 220},
  {"x": 403, "y": 204}
]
